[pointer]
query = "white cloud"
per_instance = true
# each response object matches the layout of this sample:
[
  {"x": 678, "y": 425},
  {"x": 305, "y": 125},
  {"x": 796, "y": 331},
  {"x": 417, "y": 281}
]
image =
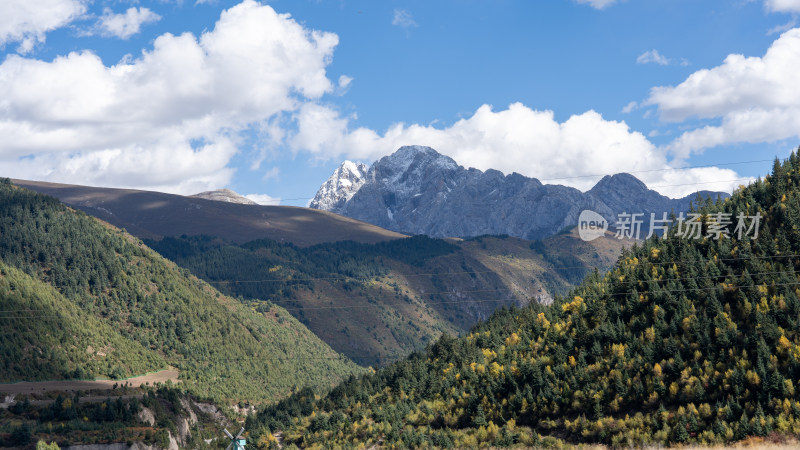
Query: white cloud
[
  {"x": 630, "y": 107},
  {"x": 756, "y": 99},
  {"x": 168, "y": 119},
  {"x": 403, "y": 18},
  {"x": 273, "y": 172},
  {"x": 598, "y": 4},
  {"x": 344, "y": 81},
  {"x": 783, "y": 5},
  {"x": 343, "y": 84},
  {"x": 28, "y": 22},
  {"x": 781, "y": 28},
  {"x": 264, "y": 199},
  {"x": 652, "y": 56},
  {"x": 683, "y": 182},
  {"x": 517, "y": 139},
  {"x": 126, "y": 24}
]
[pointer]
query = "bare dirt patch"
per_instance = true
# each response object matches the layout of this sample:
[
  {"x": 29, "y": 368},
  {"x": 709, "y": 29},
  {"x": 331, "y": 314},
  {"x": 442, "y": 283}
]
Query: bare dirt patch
[{"x": 38, "y": 387}]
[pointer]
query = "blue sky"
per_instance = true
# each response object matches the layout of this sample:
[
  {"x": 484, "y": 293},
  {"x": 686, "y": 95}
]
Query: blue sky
[{"x": 267, "y": 98}]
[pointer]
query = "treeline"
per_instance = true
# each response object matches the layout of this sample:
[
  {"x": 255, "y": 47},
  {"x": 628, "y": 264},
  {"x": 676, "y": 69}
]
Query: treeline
[
  {"x": 684, "y": 340},
  {"x": 113, "y": 307}
]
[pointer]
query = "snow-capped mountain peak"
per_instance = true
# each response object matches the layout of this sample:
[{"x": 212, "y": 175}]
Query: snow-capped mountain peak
[
  {"x": 340, "y": 187},
  {"x": 417, "y": 190}
]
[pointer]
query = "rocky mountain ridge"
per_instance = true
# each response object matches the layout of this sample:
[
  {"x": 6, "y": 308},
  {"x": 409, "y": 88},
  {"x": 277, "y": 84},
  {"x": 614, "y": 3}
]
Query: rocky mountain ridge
[
  {"x": 417, "y": 190},
  {"x": 346, "y": 180}
]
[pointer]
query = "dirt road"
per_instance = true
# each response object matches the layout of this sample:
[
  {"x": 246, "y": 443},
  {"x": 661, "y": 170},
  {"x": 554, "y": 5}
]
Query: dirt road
[{"x": 30, "y": 387}]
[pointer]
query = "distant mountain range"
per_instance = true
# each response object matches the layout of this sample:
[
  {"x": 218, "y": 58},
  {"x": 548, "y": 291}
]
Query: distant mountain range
[{"x": 417, "y": 190}]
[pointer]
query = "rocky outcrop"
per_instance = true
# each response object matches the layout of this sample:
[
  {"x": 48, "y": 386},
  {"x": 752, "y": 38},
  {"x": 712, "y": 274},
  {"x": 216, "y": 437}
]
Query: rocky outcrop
[
  {"x": 345, "y": 181},
  {"x": 147, "y": 416},
  {"x": 224, "y": 195},
  {"x": 417, "y": 190}
]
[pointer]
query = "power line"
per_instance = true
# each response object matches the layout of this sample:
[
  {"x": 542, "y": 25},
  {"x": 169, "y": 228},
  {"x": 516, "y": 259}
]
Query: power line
[
  {"x": 785, "y": 272},
  {"x": 648, "y": 187},
  {"x": 436, "y": 274},
  {"x": 701, "y": 182},
  {"x": 432, "y": 274},
  {"x": 507, "y": 300},
  {"x": 662, "y": 170},
  {"x": 574, "y": 177},
  {"x": 354, "y": 357},
  {"x": 663, "y": 263},
  {"x": 516, "y": 291},
  {"x": 9, "y": 311}
]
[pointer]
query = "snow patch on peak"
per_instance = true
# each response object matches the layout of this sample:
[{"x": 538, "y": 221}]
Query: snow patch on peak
[
  {"x": 405, "y": 169},
  {"x": 409, "y": 155},
  {"x": 354, "y": 168},
  {"x": 340, "y": 187}
]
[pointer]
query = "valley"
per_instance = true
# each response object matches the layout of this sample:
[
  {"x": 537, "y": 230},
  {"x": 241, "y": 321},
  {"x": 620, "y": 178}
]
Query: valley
[
  {"x": 377, "y": 303},
  {"x": 255, "y": 224},
  {"x": 487, "y": 340},
  {"x": 405, "y": 294}
]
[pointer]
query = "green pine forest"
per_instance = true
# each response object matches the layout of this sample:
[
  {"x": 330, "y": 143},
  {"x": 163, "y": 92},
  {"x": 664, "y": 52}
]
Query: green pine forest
[
  {"x": 81, "y": 299},
  {"x": 682, "y": 341}
]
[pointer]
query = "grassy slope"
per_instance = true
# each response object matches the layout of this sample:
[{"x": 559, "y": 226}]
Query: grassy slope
[
  {"x": 222, "y": 348},
  {"x": 147, "y": 214}
]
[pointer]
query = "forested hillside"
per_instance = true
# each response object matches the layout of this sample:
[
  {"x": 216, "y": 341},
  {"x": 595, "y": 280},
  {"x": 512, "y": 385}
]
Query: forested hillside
[
  {"x": 376, "y": 303},
  {"x": 83, "y": 299},
  {"x": 684, "y": 340},
  {"x": 45, "y": 336}
]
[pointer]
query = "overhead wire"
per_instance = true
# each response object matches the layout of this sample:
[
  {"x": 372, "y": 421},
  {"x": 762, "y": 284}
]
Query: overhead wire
[
  {"x": 671, "y": 262},
  {"x": 339, "y": 356},
  {"x": 575, "y": 177},
  {"x": 510, "y": 299},
  {"x": 431, "y": 274},
  {"x": 366, "y": 357}
]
